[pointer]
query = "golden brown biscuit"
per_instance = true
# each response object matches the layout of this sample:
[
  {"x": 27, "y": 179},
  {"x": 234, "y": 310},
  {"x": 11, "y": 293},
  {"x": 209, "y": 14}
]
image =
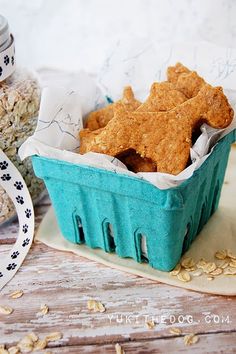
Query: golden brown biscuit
[
  {"x": 134, "y": 162},
  {"x": 100, "y": 118},
  {"x": 163, "y": 97},
  {"x": 186, "y": 81},
  {"x": 86, "y": 136},
  {"x": 174, "y": 72},
  {"x": 164, "y": 137}
]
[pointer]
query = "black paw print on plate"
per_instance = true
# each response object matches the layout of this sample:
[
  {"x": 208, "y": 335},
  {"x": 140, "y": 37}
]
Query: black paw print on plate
[
  {"x": 6, "y": 60},
  {"x": 26, "y": 242},
  {"x": 11, "y": 266},
  {"x": 28, "y": 213},
  {"x": 6, "y": 177},
  {"x": 19, "y": 199},
  {"x": 15, "y": 254},
  {"x": 25, "y": 228},
  {"x": 4, "y": 164},
  {"x": 12, "y": 60},
  {"x": 18, "y": 185},
  {"x": 0, "y": 71},
  {"x": 1, "y": 275}
]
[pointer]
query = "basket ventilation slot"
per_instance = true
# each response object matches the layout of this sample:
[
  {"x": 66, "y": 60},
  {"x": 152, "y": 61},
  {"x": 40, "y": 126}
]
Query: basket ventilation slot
[
  {"x": 216, "y": 192},
  {"x": 80, "y": 229},
  {"x": 186, "y": 241},
  {"x": 142, "y": 252},
  {"x": 202, "y": 220},
  {"x": 109, "y": 235}
]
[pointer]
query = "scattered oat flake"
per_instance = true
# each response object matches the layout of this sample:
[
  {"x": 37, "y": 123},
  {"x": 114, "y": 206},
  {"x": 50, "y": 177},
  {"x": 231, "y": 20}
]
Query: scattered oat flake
[
  {"x": 3, "y": 351},
  {"x": 197, "y": 272},
  {"x": 210, "y": 278},
  {"x": 13, "y": 350},
  {"x": 6, "y": 310},
  {"x": 187, "y": 262},
  {"x": 26, "y": 340},
  {"x": 16, "y": 294},
  {"x": 119, "y": 349},
  {"x": 190, "y": 269},
  {"x": 51, "y": 337},
  {"x": 40, "y": 344},
  {"x": 190, "y": 339},
  {"x": 232, "y": 264},
  {"x": 201, "y": 263},
  {"x": 43, "y": 309},
  {"x": 95, "y": 306},
  {"x": 150, "y": 324},
  {"x": 222, "y": 254},
  {"x": 184, "y": 276},
  {"x": 230, "y": 271},
  {"x": 25, "y": 347},
  {"x": 176, "y": 270},
  {"x": 33, "y": 337},
  {"x": 209, "y": 267},
  {"x": 176, "y": 331},
  {"x": 223, "y": 264},
  {"x": 217, "y": 271},
  {"x": 231, "y": 255}
]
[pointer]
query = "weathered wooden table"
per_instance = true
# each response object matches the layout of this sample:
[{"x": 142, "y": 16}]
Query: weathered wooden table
[{"x": 65, "y": 282}]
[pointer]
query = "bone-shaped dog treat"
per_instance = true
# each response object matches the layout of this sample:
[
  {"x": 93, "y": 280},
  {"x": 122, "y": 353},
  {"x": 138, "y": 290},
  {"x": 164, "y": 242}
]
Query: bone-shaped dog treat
[
  {"x": 164, "y": 137},
  {"x": 101, "y": 117}
]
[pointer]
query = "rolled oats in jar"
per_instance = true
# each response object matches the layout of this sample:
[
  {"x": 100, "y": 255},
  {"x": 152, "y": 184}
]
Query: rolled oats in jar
[{"x": 19, "y": 105}]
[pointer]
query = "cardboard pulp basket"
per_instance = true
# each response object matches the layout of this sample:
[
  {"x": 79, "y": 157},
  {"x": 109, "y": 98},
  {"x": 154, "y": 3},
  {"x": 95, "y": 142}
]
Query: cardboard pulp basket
[{"x": 115, "y": 212}]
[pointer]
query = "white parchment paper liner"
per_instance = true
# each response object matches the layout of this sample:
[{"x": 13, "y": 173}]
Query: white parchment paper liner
[{"x": 68, "y": 97}]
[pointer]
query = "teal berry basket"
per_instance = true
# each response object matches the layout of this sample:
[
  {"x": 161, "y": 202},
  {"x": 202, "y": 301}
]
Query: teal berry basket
[{"x": 115, "y": 212}]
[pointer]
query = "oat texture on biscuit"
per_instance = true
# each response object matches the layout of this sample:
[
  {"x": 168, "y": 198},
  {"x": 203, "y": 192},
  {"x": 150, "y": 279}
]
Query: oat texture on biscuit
[
  {"x": 174, "y": 72},
  {"x": 163, "y": 97},
  {"x": 164, "y": 137},
  {"x": 100, "y": 118},
  {"x": 186, "y": 81}
]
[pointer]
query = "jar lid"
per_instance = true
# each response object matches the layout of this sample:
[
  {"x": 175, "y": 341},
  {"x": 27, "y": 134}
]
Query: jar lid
[
  {"x": 7, "y": 50},
  {"x": 4, "y": 33}
]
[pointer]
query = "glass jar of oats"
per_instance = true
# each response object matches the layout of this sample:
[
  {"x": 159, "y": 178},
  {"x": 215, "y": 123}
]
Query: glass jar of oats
[{"x": 19, "y": 105}]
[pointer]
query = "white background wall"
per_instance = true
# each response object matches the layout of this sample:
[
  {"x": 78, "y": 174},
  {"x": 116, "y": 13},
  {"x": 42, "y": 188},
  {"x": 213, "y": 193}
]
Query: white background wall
[{"x": 76, "y": 33}]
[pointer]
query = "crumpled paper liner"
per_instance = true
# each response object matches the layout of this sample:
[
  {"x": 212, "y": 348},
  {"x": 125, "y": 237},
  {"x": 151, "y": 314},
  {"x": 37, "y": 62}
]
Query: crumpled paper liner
[{"x": 219, "y": 233}]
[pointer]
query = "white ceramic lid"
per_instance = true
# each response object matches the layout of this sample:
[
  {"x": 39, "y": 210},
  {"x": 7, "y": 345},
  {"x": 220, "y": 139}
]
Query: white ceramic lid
[
  {"x": 7, "y": 50},
  {"x": 4, "y": 33}
]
